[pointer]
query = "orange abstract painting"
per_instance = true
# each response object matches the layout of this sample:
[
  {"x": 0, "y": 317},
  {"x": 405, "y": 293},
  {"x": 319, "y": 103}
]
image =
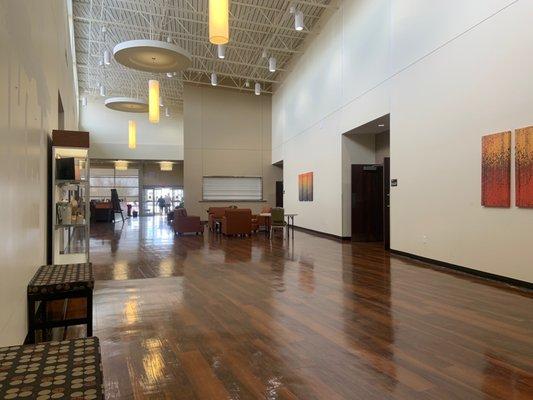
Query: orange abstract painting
[
  {"x": 496, "y": 170},
  {"x": 524, "y": 167},
  {"x": 305, "y": 187}
]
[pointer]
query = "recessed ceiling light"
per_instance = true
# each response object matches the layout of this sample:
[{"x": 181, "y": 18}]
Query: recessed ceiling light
[{"x": 165, "y": 165}]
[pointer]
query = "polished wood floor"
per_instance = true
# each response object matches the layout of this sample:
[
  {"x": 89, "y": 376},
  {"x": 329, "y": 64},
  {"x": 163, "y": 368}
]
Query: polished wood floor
[{"x": 307, "y": 318}]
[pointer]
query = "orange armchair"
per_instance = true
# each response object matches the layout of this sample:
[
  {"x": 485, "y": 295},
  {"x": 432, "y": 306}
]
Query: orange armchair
[
  {"x": 215, "y": 214},
  {"x": 186, "y": 224},
  {"x": 237, "y": 222}
]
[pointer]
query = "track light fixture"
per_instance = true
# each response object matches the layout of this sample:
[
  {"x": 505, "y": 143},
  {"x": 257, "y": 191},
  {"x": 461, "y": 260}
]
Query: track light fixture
[
  {"x": 298, "y": 20},
  {"x": 221, "y": 51},
  {"x": 107, "y": 57},
  {"x": 272, "y": 64}
]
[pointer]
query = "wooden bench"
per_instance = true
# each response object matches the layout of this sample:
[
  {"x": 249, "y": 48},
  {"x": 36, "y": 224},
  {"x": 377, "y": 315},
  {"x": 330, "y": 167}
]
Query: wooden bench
[
  {"x": 59, "y": 282},
  {"x": 70, "y": 369}
]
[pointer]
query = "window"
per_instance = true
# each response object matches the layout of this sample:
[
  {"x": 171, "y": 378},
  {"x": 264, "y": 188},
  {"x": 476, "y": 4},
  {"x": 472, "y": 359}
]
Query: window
[
  {"x": 126, "y": 183},
  {"x": 232, "y": 188}
]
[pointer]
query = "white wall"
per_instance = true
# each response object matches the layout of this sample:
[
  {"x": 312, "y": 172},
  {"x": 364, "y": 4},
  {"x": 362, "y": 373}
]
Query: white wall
[
  {"x": 109, "y": 133},
  {"x": 36, "y": 63},
  {"x": 227, "y": 133},
  {"x": 478, "y": 84},
  {"x": 448, "y": 72},
  {"x": 334, "y": 87}
]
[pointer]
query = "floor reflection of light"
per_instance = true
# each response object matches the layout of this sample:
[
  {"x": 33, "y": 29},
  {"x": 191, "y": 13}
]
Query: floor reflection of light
[
  {"x": 120, "y": 270},
  {"x": 166, "y": 267},
  {"x": 153, "y": 362},
  {"x": 131, "y": 312}
]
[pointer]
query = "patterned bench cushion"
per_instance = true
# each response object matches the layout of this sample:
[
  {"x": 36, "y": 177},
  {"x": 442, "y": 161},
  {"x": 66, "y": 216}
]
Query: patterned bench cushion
[
  {"x": 61, "y": 278},
  {"x": 70, "y": 369}
]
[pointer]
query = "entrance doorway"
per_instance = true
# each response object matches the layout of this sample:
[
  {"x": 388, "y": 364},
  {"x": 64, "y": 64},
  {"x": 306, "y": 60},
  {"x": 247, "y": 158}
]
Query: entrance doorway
[
  {"x": 386, "y": 203},
  {"x": 152, "y": 194},
  {"x": 367, "y": 203},
  {"x": 279, "y": 193}
]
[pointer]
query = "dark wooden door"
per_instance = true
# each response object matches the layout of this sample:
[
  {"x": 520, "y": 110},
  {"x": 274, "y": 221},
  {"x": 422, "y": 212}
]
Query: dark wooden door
[
  {"x": 367, "y": 203},
  {"x": 279, "y": 193},
  {"x": 386, "y": 203}
]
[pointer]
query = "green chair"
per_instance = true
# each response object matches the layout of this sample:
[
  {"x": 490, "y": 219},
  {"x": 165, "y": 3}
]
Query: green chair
[{"x": 277, "y": 219}]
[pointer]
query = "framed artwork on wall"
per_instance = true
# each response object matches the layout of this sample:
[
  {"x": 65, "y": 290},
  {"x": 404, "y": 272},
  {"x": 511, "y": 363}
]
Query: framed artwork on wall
[
  {"x": 496, "y": 170},
  {"x": 305, "y": 186},
  {"x": 524, "y": 167}
]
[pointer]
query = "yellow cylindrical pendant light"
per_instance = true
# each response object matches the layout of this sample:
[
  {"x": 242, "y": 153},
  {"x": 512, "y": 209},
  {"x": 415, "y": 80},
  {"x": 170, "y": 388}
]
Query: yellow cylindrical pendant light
[
  {"x": 219, "y": 21},
  {"x": 132, "y": 134},
  {"x": 153, "y": 101}
]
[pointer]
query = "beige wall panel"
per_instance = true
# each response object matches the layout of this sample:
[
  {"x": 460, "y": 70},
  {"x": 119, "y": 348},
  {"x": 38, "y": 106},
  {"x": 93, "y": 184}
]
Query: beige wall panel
[
  {"x": 227, "y": 133},
  {"x": 153, "y": 176},
  {"x": 232, "y": 163}
]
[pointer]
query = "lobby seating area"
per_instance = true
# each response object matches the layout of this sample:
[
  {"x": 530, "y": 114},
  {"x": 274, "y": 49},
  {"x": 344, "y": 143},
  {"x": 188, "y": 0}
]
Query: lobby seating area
[
  {"x": 266, "y": 200},
  {"x": 228, "y": 221}
]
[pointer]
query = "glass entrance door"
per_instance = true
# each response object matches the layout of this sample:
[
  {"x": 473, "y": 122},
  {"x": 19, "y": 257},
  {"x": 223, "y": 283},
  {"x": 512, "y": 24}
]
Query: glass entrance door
[{"x": 153, "y": 194}]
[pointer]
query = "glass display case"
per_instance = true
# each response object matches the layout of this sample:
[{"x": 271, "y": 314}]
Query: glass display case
[{"x": 70, "y": 214}]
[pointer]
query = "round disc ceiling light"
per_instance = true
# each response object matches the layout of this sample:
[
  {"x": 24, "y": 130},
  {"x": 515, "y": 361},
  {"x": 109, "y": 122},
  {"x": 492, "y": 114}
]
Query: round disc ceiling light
[
  {"x": 152, "y": 56},
  {"x": 127, "y": 104}
]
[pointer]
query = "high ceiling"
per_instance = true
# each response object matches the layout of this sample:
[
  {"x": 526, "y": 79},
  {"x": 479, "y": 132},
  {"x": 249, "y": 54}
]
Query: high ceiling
[{"x": 257, "y": 28}]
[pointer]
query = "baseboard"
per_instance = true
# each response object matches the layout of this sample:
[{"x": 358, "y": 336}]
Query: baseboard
[
  {"x": 322, "y": 234},
  {"x": 471, "y": 271}
]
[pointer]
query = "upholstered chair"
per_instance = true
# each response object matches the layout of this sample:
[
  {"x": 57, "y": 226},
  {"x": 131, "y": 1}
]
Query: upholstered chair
[
  {"x": 184, "y": 223},
  {"x": 277, "y": 221},
  {"x": 237, "y": 222}
]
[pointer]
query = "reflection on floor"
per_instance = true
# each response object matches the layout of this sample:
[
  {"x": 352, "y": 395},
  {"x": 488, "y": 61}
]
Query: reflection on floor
[{"x": 306, "y": 318}]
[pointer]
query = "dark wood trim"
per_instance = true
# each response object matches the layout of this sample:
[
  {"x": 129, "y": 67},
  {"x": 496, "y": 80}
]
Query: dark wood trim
[
  {"x": 322, "y": 234},
  {"x": 467, "y": 270},
  {"x": 70, "y": 139}
]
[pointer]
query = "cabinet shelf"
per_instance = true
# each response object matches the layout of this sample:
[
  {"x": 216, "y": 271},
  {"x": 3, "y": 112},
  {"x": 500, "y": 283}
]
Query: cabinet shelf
[
  {"x": 63, "y": 182},
  {"x": 74, "y": 225}
]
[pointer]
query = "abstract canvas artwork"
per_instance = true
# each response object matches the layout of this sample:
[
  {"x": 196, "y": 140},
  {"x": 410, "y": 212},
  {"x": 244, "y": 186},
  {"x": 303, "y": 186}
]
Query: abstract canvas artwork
[
  {"x": 524, "y": 167},
  {"x": 305, "y": 186},
  {"x": 496, "y": 170}
]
